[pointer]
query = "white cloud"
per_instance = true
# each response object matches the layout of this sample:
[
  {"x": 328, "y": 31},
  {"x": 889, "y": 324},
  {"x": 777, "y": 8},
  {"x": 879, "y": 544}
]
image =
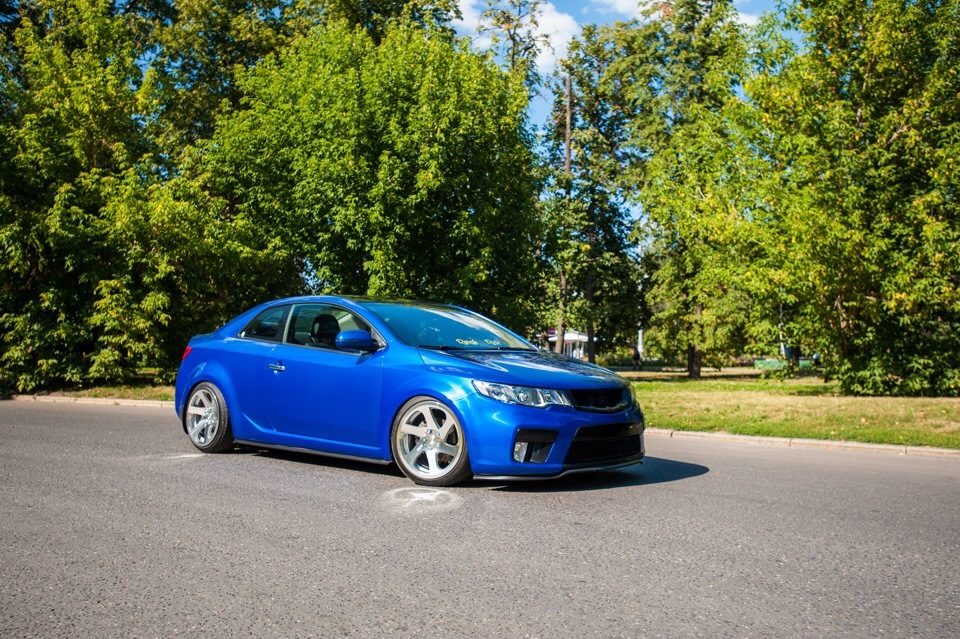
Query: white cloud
[
  {"x": 471, "y": 10},
  {"x": 749, "y": 19},
  {"x": 626, "y": 8},
  {"x": 560, "y": 28}
]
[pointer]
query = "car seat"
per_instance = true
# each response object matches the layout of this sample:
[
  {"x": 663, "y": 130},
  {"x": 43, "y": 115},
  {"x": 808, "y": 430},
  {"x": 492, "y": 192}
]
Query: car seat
[{"x": 324, "y": 330}]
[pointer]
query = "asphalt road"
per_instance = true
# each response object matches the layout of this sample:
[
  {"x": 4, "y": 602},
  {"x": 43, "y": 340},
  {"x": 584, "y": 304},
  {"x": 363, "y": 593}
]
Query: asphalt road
[{"x": 112, "y": 525}]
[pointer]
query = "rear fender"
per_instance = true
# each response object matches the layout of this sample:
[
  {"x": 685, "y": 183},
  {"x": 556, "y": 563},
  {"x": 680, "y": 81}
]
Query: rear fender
[{"x": 214, "y": 373}]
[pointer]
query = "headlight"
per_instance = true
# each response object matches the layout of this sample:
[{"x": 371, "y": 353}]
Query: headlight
[{"x": 525, "y": 395}]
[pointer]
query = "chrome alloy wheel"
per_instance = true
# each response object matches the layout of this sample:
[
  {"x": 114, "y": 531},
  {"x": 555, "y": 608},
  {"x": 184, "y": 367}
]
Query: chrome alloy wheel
[
  {"x": 203, "y": 417},
  {"x": 429, "y": 441}
]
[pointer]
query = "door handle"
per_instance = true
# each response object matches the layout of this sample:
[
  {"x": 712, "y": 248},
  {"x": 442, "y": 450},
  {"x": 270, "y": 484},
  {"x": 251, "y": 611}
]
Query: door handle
[{"x": 277, "y": 367}]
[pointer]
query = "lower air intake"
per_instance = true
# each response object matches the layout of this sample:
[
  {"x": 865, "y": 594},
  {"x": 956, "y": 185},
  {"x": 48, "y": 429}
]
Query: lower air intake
[{"x": 605, "y": 443}]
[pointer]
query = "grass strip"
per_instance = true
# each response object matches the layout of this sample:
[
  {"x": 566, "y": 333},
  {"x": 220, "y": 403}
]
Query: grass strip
[
  {"x": 162, "y": 393},
  {"x": 805, "y": 408}
]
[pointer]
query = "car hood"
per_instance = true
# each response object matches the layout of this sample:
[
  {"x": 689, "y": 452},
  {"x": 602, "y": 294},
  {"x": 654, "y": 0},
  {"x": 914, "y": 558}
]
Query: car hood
[{"x": 541, "y": 369}]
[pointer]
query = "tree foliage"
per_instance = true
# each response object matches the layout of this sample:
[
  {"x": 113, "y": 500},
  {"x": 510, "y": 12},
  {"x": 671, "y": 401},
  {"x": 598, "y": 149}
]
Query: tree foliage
[
  {"x": 375, "y": 16},
  {"x": 865, "y": 124},
  {"x": 105, "y": 272},
  {"x": 514, "y": 28},
  {"x": 69, "y": 130},
  {"x": 197, "y": 49},
  {"x": 398, "y": 169}
]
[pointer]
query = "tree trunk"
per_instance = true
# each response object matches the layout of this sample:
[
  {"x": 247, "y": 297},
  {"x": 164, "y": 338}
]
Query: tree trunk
[
  {"x": 694, "y": 354},
  {"x": 694, "y": 361},
  {"x": 591, "y": 345},
  {"x": 566, "y": 130},
  {"x": 588, "y": 294},
  {"x": 558, "y": 347}
]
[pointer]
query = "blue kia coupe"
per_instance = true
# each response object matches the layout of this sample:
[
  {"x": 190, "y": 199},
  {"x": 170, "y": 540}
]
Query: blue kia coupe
[{"x": 444, "y": 392}]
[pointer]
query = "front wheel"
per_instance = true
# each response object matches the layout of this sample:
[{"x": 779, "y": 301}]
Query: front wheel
[
  {"x": 206, "y": 419},
  {"x": 428, "y": 444}
]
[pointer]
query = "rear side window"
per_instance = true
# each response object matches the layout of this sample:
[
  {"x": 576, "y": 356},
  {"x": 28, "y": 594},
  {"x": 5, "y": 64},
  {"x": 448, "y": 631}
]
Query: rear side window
[{"x": 268, "y": 325}]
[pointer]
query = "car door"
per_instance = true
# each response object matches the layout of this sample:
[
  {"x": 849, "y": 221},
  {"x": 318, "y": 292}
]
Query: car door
[
  {"x": 246, "y": 357},
  {"x": 322, "y": 397}
]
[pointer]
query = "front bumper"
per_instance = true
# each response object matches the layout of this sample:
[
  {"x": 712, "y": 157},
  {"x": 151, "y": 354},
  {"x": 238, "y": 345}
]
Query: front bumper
[{"x": 606, "y": 440}]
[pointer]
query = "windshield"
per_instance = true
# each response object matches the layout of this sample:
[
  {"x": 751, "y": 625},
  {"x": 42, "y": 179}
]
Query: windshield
[{"x": 445, "y": 328}]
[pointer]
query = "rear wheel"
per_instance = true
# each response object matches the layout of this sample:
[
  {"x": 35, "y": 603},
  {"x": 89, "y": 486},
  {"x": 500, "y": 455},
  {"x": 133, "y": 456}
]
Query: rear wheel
[
  {"x": 428, "y": 444},
  {"x": 206, "y": 419}
]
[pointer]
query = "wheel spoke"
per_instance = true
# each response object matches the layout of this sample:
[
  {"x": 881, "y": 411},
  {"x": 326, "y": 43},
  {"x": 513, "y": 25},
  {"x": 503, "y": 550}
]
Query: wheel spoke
[
  {"x": 448, "y": 425},
  {"x": 200, "y": 423},
  {"x": 412, "y": 429},
  {"x": 414, "y": 455},
  {"x": 447, "y": 449},
  {"x": 429, "y": 420},
  {"x": 196, "y": 410},
  {"x": 432, "y": 462}
]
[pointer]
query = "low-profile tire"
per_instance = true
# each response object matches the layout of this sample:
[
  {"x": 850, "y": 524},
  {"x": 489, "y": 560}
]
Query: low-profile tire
[
  {"x": 428, "y": 444},
  {"x": 206, "y": 419}
]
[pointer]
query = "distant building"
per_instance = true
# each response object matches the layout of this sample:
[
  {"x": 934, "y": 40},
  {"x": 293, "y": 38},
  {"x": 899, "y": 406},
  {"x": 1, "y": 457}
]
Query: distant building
[{"x": 574, "y": 344}]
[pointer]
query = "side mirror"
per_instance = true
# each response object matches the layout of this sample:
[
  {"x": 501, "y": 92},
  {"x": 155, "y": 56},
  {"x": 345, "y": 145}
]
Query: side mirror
[{"x": 356, "y": 341}]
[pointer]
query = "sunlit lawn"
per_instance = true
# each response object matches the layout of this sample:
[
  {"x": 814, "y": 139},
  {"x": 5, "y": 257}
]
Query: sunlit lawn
[{"x": 740, "y": 401}]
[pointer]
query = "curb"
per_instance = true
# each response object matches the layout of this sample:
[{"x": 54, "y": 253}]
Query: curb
[
  {"x": 890, "y": 449},
  {"x": 101, "y": 401}
]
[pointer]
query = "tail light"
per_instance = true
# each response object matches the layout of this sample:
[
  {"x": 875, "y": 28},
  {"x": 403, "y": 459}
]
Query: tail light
[{"x": 186, "y": 352}]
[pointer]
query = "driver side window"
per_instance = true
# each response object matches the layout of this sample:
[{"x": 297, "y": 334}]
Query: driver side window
[{"x": 317, "y": 325}]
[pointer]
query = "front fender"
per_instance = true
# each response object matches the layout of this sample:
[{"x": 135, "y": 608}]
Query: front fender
[{"x": 404, "y": 385}]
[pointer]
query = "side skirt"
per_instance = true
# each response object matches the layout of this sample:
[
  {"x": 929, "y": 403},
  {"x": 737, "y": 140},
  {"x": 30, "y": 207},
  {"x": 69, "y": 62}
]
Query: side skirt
[{"x": 310, "y": 451}]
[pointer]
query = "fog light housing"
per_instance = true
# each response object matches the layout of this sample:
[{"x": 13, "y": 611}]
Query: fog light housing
[
  {"x": 520, "y": 451},
  {"x": 533, "y": 445}
]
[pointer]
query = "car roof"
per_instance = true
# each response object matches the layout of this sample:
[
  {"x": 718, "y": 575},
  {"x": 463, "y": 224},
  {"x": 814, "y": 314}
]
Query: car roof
[{"x": 360, "y": 300}]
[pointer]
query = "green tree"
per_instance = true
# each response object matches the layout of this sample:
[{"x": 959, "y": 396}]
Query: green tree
[
  {"x": 105, "y": 270},
  {"x": 9, "y": 17},
  {"x": 692, "y": 172},
  {"x": 69, "y": 129},
  {"x": 183, "y": 265},
  {"x": 375, "y": 16},
  {"x": 400, "y": 169},
  {"x": 865, "y": 130},
  {"x": 514, "y": 28},
  {"x": 195, "y": 53},
  {"x": 596, "y": 282}
]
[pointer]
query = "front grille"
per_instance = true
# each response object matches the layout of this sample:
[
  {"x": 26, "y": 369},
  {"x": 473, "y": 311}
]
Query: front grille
[
  {"x": 604, "y": 400},
  {"x": 604, "y": 443}
]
